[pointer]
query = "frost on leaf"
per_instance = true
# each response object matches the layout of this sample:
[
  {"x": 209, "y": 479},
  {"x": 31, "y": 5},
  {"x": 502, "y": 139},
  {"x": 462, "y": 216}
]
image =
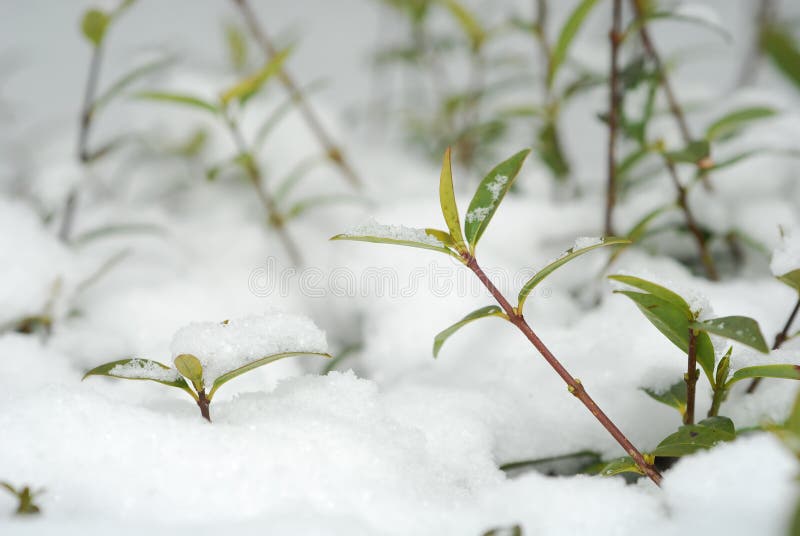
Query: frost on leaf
[
  {"x": 496, "y": 186},
  {"x": 477, "y": 214},
  {"x": 223, "y": 347},
  {"x": 586, "y": 242},
  {"x": 393, "y": 232},
  {"x": 139, "y": 369}
]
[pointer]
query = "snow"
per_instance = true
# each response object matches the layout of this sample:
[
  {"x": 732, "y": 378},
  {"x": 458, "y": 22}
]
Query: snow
[
  {"x": 225, "y": 346},
  {"x": 392, "y": 441},
  {"x": 395, "y": 232},
  {"x": 139, "y": 369},
  {"x": 496, "y": 185},
  {"x": 586, "y": 242},
  {"x": 477, "y": 214},
  {"x": 786, "y": 256}
]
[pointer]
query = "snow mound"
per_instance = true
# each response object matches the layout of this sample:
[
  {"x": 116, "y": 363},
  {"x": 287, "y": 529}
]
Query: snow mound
[{"x": 225, "y": 346}]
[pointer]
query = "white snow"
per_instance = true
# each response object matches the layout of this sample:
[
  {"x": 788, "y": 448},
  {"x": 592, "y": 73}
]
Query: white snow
[
  {"x": 586, "y": 242},
  {"x": 786, "y": 256},
  {"x": 395, "y": 232},
  {"x": 477, "y": 214},
  {"x": 496, "y": 185},
  {"x": 225, "y": 346}
]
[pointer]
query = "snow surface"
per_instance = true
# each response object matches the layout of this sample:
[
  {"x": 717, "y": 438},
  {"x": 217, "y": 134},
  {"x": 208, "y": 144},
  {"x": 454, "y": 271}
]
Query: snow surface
[
  {"x": 392, "y": 442},
  {"x": 144, "y": 370}
]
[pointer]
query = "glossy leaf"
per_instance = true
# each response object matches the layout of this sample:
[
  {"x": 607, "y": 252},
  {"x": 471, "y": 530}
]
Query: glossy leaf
[
  {"x": 691, "y": 438},
  {"x": 105, "y": 370},
  {"x": 570, "y": 254},
  {"x": 228, "y": 376},
  {"x": 671, "y": 320},
  {"x": 191, "y": 368},
  {"x": 447, "y": 199},
  {"x": 483, "y": 312},
  {"x": 94, "y": 25},
  {"x": 394, "y": 241},
  {"x": 731, "y": 123},
  {"x": 489, "y": 195},
  {"x": 468, "y": 22},
  {"x": 621, "y": 465},
  {"x": 785, "y": 371},
  {"x": 792, "y": 279},
  {"x": 178, "y": 98},
  {"x": 566, "y": 36},
  {"x": 248, "y": 87},
  {"x": 655, "y": 289},
  {"x": 737, "y": 328},
  {"x": 674, "y": 397}
]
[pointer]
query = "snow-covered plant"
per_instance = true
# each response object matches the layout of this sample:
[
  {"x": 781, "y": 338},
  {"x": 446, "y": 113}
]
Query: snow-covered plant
[
  {"x": 686, "y": 328},
  {"x": 25, "y": 498},
  {"x": 209, "y": 354},
  {"x": 461, "y": 244}
]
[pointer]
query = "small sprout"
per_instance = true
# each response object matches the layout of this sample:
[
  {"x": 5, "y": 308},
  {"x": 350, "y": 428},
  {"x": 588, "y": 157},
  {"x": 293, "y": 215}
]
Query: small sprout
[
  {"x": 26, "y": 496},
  {"x": 227, "y": 349}
]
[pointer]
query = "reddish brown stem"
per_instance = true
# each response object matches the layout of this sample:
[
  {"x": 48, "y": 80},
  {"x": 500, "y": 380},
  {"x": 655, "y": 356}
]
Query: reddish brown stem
[
  {"x": 780, "y": 338},
  {"x": 691, "y": 222},
  {"x": 691, "y": 378},
  {"x": 614, "y": 100},
  {"x": 203, "y": 403},
  {"x": 573, "y": 384},
  {"x": 333, "y": 152}
]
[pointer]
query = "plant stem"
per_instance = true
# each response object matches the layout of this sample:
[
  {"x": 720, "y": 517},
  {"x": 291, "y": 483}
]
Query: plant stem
[
  {"x": 333, "y": 152},
  {"x": 85, "y": 126},
  {"x": 780, "y": 338},
  {"x": 691, "y": 378},
  {"x": 614, "y": 98},
  {"x": 691, "y": 223},
  {"x": 719, "y": 397},
  {"x": 573, "y": 384},
  {"x": 674, "y": 106},
  {"x": 204, "y": 404},
  {"x": 257, "y": 180}
]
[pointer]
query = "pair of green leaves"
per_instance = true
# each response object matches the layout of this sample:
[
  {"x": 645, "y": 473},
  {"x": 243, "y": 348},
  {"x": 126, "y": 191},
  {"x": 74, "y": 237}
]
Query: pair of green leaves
[
  {"x": 687, "y": 440},
  {"x": 25, "y": 499},
  {"x": 673, "y": 317},
  {"x": 188, "y": 366}
]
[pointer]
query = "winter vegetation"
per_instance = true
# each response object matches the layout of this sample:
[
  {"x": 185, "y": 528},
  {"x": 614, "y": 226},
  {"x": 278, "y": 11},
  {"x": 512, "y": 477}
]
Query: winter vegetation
[{"x": 464, "y": 267}]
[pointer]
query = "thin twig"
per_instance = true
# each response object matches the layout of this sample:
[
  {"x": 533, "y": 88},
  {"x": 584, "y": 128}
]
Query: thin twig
[
  {"x": 691, "y": 223},
  {"x": 257, "y": 180},
  {"x": 691, "y": 378},
  {"x": 614, "y": 98},
  {"x": 333, "y": 152},
  {"x": 573, "y": 384},
  {"x": 780, "y": 338}
]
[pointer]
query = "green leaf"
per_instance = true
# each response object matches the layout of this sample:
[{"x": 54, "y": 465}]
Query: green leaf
[
  {"x": 691, "y": 438},
  {"x": 783, "y": 51},
  {"x": 94, "y": 25},
  {"x": 228, "y": 376},
  {"x": 565, "y": 257},
  {"x": 126, "y": 80},
  {"x": 191, "y": 368},
  {"x": 723, "y": 370},
  {"x": 674, "y": 397},
  {"x": 671, "y": 320},
  {"x": 619, "y": 466},
  {"x": 447, "y": 199},
  {"x": 489, "y": 195},
  {"x": 248, "y": 87},
  {"x": 178, "y": 98},
  {"x": 792, "y": 279},
  {"x": 237, "y": 46},
  {"x": 468, "y": 22},
  {"x": 730, "y": 124},
  {"x": 483, "y": 312},
  {"x": 693, "y": 152},
  {"x": 656, "y": 290},
  {"x": 550, "y": 151},
  {"x": 394, "y": 241},
  {"x": 106, "y": 370},
  {"x": 566, "y": 36},
  {"x": 737, "y": 328},
  {"x": 785, "y": 371}
]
